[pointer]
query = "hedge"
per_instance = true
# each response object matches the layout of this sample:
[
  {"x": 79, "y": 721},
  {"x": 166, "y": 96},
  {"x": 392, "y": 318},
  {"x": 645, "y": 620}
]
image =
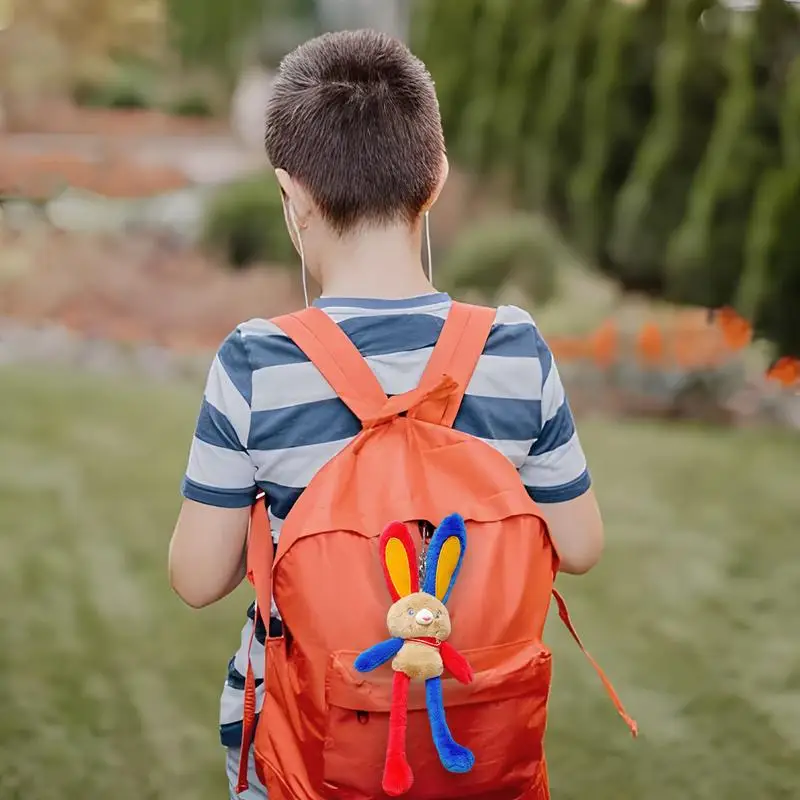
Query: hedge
[{"x": 662, "y": 136}]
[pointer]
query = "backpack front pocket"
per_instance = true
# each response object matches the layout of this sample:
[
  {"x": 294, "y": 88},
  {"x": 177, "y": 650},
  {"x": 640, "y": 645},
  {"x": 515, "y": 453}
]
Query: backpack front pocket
[{"x": 500, "y": 716}]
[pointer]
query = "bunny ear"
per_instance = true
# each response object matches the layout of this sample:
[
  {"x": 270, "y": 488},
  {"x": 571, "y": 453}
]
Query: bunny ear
[
  {"x": 445, "y": 555},
  {"x": 398, "y": 556}
]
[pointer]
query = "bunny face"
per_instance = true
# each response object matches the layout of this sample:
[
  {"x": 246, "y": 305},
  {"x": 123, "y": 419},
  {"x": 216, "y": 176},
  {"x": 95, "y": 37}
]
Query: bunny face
[{"x": 419, "y": 615}]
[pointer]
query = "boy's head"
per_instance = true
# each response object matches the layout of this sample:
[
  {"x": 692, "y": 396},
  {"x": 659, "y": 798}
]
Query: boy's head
[{"x": 354, "y": 133}]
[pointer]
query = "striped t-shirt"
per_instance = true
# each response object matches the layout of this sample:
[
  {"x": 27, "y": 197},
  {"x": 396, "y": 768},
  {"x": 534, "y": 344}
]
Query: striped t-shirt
[{"x": 269, "y": 421}]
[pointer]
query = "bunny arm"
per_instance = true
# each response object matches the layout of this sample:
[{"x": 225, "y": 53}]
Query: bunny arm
[
  {"x": 378, "y": 654},
  {"x": 455, "y": 663}
]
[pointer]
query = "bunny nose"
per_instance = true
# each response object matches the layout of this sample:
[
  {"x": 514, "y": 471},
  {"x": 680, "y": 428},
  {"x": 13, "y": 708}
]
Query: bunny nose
[{"x": 424, "y": 617}]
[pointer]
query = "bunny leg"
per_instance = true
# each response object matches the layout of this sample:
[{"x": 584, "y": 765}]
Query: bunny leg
[
  {"x": 397, "y": 775},
  {"x": 454, "y": 757}
]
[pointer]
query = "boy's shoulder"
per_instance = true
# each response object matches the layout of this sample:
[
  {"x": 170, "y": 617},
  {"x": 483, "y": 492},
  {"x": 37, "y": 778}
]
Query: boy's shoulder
[
  {"x": 258, "y": 342},
  {"x": 515, "y": 334},
  {"x": 513, "y": 315}
]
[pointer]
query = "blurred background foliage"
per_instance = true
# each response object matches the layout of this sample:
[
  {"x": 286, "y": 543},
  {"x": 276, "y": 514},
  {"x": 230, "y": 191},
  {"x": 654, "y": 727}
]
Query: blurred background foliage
[
  {"x": 662, "y": 137},
  {"x": 245, "y": 223},
  {"x": 659, "y": 137}
]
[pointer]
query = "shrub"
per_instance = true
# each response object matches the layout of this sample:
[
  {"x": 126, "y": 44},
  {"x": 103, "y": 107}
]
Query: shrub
[
  {"x": 120, "y": 92},
  {"x": 245, "y": 223},
  {"x": 521, "y": 251},
  {"x": 191, "y": 104},
  {"x": 127, "y": 83}
]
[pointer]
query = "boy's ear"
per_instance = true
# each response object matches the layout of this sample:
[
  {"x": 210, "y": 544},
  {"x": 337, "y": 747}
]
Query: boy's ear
[
  {"x": 296, "y": 196},
  {"x": 443, "y": 174},
  {"x": 445, "y": 556},
  {"x": 398, "y": 557}
]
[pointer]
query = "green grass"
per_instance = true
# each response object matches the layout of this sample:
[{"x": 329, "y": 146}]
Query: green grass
[{"x": 109, "y": 686}]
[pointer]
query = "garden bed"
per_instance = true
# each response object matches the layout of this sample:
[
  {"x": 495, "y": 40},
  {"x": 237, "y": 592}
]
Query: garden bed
[
  {"x": 66, "y": 118},
  {"x": 134, "y": 288},
  {"x": 43, "y": 175}
]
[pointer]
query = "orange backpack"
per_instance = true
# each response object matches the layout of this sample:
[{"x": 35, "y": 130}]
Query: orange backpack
[{"x": 324, "y": 725}]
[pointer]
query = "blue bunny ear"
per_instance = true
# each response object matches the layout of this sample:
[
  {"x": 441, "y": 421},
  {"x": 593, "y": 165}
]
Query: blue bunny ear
[{"x": 445, "y": 556}]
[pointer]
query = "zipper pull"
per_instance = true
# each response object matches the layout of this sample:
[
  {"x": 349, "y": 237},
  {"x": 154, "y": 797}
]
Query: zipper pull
[{"x": 426, "y": 533}]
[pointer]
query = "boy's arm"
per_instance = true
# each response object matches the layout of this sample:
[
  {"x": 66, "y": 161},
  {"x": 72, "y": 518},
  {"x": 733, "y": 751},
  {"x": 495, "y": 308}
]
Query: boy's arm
[
  {"x": 557, "y": 478},
  {"x": 576, "y": 528},
  {"x": 206, "y": 554}
]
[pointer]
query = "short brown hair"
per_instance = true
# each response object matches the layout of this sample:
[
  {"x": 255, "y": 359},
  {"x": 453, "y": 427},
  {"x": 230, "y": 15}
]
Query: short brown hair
[{"x": 353, "y": 117}]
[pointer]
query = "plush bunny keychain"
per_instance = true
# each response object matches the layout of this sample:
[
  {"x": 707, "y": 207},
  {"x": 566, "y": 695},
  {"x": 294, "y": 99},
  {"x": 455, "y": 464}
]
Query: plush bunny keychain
[{"x": 420, "y": 625}]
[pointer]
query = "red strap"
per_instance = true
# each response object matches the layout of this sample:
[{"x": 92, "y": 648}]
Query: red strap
[
  {"x": 260, "y": 552},
  {"x": 456, "y": 354},
  {"x": 337, "y": 359},
  {"x": 565, "y": 618},
  {"x": 249, "y": 718},
  {"x": 259, "y": 573}
]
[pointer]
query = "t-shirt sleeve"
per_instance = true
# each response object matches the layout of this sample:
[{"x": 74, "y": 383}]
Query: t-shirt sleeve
[
  {"x": 220, "y": 471},
  {"x": 555, "y": 469}
]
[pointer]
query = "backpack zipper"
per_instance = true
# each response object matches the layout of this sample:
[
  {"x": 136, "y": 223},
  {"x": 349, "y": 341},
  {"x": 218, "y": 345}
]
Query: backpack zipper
[{"x": 426, "y": 531}]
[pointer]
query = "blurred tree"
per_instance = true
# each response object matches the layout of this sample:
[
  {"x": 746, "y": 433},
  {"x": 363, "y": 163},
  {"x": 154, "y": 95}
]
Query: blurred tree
[
  {"x": 652, "y": 200},
  {"x": 223, "y": 35},
  {"x": 662, "y": 136}
]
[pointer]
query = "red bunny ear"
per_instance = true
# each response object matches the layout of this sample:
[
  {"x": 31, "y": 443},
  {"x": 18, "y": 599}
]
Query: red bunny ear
[{"x": 398, "y": 558}]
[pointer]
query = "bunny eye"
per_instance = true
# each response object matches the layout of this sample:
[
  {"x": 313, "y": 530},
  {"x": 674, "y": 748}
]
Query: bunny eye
[{"x": 411, "y": 612}]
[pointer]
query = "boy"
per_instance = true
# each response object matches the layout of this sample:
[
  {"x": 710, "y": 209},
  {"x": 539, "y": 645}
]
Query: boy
[{"x": 354, "y": 134}]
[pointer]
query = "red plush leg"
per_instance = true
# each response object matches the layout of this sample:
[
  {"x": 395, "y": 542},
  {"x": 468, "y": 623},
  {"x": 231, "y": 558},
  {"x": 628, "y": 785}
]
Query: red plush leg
[{"x": 397, "y": 775}]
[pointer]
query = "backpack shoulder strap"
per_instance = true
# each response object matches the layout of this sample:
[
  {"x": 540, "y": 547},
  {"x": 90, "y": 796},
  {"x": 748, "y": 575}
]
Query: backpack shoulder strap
[
  {"x": 456, "y": 354},
  {"x": 337, "y": 359}
]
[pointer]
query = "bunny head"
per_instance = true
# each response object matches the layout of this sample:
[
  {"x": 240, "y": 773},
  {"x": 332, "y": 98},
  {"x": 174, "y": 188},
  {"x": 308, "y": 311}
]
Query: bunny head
[{"x": 421, "y": 612}]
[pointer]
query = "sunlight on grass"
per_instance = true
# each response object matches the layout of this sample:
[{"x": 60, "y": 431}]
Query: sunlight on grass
[{"x": 110, "y": 687}]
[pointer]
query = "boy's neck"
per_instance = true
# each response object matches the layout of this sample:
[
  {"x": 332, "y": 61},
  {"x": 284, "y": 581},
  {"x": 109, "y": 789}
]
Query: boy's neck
[{"x": 381, "y": 263}]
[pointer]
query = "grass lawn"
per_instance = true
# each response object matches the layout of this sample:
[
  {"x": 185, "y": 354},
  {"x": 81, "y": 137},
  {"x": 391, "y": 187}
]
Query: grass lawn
[{"x": 109, "y": 686}]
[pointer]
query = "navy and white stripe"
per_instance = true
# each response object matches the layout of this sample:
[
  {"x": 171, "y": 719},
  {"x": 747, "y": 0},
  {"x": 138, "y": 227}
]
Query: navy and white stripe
[{"x": 270, "y": 421}]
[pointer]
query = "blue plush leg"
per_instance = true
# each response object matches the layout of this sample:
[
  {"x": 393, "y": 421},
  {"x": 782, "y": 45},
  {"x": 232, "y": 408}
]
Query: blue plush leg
[{"x": 454, "y": 757}]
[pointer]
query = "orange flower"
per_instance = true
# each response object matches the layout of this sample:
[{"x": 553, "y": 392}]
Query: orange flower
[
  {"x": 604, "y": 344},
  {"x": 736, "y": 330},
  {"x": 786, "y": 371},
  {"x": 650, "y": 344}
]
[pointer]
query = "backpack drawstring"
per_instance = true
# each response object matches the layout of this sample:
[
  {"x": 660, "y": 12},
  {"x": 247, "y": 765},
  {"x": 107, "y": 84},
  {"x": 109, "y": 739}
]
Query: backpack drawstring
[{"x": 563, "y": 613}]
